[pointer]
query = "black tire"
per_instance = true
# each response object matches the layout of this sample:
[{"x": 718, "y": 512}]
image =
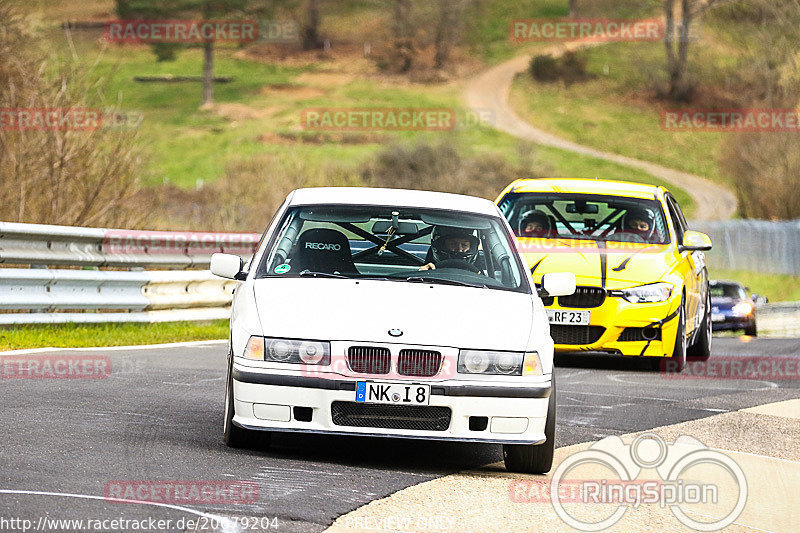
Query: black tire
[
  {"x": 701, "y": 349},
  {"x": 676, "y": 363},
  {"x": 751, "y": 330},
  {"x": 535, "y": 458},
  {"x": 233, "y": 435}
]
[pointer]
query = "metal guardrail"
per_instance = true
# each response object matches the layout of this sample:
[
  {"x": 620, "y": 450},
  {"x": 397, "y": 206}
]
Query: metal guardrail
[
  {"x": 758, "y": 245},
  {"x": 42, "y": 244},
  {"x": 44, "y": 295},
  {"x": 130, "y": 296},
  {"x": 781, "y": 319}
]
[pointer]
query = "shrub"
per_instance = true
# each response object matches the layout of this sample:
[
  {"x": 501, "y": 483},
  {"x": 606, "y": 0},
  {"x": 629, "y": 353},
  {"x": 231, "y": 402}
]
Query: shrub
[
  {"x": 442, "y": 167},
  {"x": 765, "y": 171},
  {"x": 544, "y": 68},
  {"x": 569, "y": 68}
]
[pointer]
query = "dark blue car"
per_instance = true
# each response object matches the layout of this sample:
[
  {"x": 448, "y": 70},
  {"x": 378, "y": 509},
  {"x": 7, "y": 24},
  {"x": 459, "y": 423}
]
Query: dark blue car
[{"x": 732, "y": 308}]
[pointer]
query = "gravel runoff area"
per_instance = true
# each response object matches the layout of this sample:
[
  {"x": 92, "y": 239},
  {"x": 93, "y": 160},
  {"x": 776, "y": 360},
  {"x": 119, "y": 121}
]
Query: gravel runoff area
[{"x": 764, "y": 441}]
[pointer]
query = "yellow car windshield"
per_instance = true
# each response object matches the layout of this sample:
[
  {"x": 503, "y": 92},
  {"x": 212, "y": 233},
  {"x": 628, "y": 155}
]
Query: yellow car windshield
[{"x": 585, "y": 216}]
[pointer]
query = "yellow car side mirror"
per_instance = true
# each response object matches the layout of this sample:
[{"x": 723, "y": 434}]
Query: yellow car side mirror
[{"x": 694, "y": 240}]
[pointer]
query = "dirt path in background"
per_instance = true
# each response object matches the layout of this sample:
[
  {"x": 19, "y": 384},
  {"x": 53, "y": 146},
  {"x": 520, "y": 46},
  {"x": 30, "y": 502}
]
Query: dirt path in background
[{"x": 489, "y": 91}]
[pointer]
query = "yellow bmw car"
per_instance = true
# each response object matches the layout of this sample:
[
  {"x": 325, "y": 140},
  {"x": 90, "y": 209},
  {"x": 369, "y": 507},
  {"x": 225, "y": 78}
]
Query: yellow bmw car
[{"x": 642, "y": 279}]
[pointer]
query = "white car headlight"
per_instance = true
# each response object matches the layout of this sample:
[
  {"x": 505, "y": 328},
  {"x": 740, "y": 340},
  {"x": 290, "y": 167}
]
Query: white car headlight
[
  {"x": 646, "y": 294},
  {"x": 288, "y": 351},
  {"x": 498, "y": 363},
  {"x": 742, "y": 308}
]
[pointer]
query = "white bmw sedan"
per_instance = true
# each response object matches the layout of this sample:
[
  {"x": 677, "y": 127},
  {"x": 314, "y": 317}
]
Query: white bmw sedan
[{"x": 391, "y": 313}]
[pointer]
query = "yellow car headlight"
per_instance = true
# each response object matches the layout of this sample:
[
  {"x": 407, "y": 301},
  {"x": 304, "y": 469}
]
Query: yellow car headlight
[{"x": 646, "y": 294}]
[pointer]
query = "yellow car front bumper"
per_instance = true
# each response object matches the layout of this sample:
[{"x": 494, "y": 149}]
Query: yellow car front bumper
[{"x": 618, "y": 326}]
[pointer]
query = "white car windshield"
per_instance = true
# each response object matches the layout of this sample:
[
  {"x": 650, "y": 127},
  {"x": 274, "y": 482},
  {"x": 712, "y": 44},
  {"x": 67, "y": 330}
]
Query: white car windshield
[{"x": 394, "y": 244}]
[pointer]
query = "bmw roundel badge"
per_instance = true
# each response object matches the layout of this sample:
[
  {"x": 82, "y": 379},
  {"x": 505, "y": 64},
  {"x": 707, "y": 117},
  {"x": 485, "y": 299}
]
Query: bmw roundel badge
[{"x": 394, "y": 332}]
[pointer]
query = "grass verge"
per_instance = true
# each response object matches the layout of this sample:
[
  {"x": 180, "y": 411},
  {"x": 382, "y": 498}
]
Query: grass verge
[{"x": 85, "y": 335}]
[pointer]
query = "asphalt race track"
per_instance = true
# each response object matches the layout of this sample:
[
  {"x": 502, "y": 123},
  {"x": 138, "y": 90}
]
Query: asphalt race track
[{"x": 158, "y": 416}]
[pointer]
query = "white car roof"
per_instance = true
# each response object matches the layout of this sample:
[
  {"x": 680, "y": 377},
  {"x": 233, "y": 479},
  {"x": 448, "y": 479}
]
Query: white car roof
[{"x": 392, "y": 197}]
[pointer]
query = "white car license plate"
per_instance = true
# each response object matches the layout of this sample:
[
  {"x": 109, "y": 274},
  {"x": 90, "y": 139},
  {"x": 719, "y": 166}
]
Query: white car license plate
[
  {"x": 575, "y": 318},
  {"x": 715, "y": 317},
  {"x": 393, "y": 393}
]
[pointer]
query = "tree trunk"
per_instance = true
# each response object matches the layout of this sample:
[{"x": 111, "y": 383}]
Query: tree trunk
[
  {"x": 403, "y": 42},
  {"x": 446, "y": 29},
  {"x": 208, "y": 72},
  {"x": 573, "y": 9},
  {"x": 311, "y": 26},
  {"x": 683, "y": 37},
  {"x": 669, "y": 39}
]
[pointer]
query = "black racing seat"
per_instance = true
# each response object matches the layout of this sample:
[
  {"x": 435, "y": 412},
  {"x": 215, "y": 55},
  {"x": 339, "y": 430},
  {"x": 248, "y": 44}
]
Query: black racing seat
[{"x": 323, "y": 250}]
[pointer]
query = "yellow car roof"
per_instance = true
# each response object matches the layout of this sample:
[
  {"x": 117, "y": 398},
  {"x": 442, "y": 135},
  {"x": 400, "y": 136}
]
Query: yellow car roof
[{"x": 586, "y": 186}]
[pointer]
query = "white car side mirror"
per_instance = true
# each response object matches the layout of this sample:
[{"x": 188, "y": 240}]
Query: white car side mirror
[
  {"x": 227, "y": 266},
  {"x": 558, "y": 284}
]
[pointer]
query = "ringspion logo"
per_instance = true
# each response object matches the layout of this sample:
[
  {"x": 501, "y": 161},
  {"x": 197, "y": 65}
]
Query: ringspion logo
[{"x": 685, "y": 476}]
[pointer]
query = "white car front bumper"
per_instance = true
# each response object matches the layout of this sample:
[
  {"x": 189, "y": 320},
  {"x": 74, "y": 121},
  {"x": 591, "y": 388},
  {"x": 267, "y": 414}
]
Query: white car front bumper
[{"x": 463, "y": 410}]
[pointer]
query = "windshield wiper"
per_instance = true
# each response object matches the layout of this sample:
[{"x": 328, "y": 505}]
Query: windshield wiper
[
  {"x": 443, "y": 281},
  {"x": 310, "y": 274}
]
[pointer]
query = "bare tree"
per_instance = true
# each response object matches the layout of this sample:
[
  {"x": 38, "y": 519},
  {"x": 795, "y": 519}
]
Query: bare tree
[
  {"x": 573, "y": 8},
  {"x": 311, "y": 39},
  {"x": 446, "y": 32},
  {"x": 403, "y": 31},
  {"x": 59, "y": 175},
  {"x": 677, "y": 56}
]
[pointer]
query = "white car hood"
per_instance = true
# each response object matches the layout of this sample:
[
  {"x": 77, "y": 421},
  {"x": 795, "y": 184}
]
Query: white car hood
[{"x": 365, "y": 311}]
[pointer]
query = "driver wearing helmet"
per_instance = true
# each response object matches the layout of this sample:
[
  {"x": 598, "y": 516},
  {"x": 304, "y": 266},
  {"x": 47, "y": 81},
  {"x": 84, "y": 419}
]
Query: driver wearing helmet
[
  {"x": 451, "y": 246},
  {"x": 639, "y": 222},
  {"x": 534, "y": 224}
]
